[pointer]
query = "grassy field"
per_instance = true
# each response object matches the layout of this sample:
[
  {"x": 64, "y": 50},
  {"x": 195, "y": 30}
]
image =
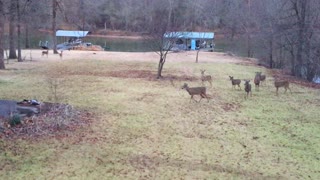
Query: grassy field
[{"x": 145, "y": 128}]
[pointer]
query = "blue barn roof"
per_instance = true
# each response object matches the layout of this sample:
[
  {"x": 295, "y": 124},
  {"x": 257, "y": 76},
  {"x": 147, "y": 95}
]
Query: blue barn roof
[
  {"x": 71, "y": 33},
  {"x": 190, "y": 35}
]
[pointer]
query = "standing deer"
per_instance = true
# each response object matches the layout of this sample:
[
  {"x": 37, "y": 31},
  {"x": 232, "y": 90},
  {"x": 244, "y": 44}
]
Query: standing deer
[
  {"x": 205, "y": 78},
  {"x": 282, "y": 83},
  {"x": 45, "y": 52},
  {"x": 235, "y": 82},
  {"x": 60, "y": 54},
  {"x": 195, "y": 91},
  {"x": 257, "y": 80},
  {"x": 247, "y": 88},
  {"x": 262, "y": 78}
]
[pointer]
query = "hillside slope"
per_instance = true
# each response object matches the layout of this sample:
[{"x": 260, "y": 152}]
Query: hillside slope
[{"x": 143, "y": 128}]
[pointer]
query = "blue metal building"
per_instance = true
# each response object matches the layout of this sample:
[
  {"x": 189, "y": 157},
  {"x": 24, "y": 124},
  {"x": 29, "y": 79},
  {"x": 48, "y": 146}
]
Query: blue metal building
[
  {"x": 191, "y": 40},
  {"x": 70, "y": 38}
]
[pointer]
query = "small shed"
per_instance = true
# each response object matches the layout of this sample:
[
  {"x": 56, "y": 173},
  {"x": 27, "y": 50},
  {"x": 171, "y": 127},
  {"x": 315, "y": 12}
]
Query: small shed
[{"x": 192, "y": 40}]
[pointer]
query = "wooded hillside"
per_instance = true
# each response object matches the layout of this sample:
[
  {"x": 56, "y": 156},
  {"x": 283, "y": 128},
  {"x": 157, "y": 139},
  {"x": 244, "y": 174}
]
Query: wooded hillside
[{"x": 287, "y": 31}]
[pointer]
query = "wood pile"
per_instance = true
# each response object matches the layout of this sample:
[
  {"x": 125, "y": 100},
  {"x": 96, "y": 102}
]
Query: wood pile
[{"x": 89, "y": 48}]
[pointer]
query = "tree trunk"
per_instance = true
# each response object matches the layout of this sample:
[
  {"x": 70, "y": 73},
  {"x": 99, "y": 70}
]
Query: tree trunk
[
  {"x": 301, "y": 16},
  {"x": 233, "y": 30},
  {"x": 1, "y": 35},
  {"x": 19, "y": 31},
  {"x": 271, "y": 53},
  {"x": 169, "y": 14},
  {"x": 293, "y": 61},
  {"x": 197, "y": 55},
  {"x": 249, "y": 46},
  {"x": 298, "y": 70},
  {"x": 160, "y": 67},
  {"x": 311, "y": 66},
  {"x": 12, "y": 47},
  {"x": 54, "y": 29},
  {"x": 311, "y": 72},
  {"x": 281, "y": 56},
  {"x": 27, "y": 45}
]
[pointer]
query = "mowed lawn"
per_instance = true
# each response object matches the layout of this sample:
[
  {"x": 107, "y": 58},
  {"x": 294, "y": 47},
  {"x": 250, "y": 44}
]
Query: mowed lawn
[{"x": 143, "y": 128}]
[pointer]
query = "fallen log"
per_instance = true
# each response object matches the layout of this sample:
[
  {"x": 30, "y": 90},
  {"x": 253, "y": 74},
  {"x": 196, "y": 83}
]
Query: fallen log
[{"x": 27, "y": 110}]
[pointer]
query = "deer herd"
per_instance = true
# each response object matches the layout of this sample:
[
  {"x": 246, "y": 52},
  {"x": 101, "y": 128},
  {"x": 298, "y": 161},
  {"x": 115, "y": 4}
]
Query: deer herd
[
  {"x": 258, "y": 80},
  {"x": 201, "y": 91}
]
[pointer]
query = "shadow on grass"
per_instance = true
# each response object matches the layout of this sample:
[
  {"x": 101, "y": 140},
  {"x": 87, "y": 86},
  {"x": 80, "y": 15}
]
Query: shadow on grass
[{"x": 142, "y": 162}]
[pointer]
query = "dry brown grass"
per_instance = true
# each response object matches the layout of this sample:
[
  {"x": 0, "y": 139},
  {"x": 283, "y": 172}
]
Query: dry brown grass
[{"x": 148, "y": 129}]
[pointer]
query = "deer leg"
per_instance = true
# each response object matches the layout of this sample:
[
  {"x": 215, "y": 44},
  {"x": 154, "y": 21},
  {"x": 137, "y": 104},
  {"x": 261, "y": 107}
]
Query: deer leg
[
  {"x": 290, "y": 90},
  {"x": 277, "y": 91},
  {"x": 203, "y": 95},
  {"x": 193, "y": 98}
]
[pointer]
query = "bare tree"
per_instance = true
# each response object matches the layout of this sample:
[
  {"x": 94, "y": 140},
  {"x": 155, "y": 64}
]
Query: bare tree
[
  {"x": 54, "y": 25},
  {"x": 269, "y": 36},
  {"x": 2, "y": 19},
  {"x": 27, "y": 19},
  {"x": 160, "y": 34},
  {"x": 161, "y": 45},
  {"x": 19, "y": 30},
  {"x": 289, "y": 32},
  {"x": 12, "y": 17},
  {"x": 202, "y": 44},
  {"x": 299, "y": 27}
]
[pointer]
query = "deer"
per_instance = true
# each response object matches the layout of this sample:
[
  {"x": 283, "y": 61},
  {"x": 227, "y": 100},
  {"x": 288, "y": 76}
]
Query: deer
[
  {"x": 195, "y": 91},
  {"x": 205, "y": 78},
  {"x": 257, "y": 80},
  {"x": 282, "y": 83},
  {"x": 45, "y": 52},
  {"x": 262, "y": 77},
  {"x": 235, "y": 82},
  {"x": 247, "y": 88},
  {"x": 60, "y": 54}
]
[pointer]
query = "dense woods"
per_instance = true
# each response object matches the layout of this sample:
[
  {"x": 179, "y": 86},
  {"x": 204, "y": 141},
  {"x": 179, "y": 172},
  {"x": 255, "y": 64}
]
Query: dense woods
[{"x": 286, "y": 32}]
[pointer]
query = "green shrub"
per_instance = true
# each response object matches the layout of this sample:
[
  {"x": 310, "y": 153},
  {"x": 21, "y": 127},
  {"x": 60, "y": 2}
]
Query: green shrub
[{"x": 15, "y": 120}]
